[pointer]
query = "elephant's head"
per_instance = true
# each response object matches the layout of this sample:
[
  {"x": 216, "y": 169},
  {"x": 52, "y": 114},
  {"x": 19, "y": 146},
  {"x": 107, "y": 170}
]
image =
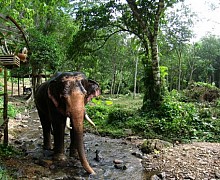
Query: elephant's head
[{"x": 69, "y": 93}]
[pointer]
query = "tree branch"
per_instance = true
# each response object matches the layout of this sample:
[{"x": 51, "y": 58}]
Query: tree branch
[{"x": 137, "y": 15}]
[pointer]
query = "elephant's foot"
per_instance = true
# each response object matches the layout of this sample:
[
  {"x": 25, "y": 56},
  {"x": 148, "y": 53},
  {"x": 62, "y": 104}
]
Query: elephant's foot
[{"x": 59, "y": 157}]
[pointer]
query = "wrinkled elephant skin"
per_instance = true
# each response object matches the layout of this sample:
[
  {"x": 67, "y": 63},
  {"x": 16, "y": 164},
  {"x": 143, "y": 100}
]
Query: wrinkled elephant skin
[{"x": 65, "y": 95}]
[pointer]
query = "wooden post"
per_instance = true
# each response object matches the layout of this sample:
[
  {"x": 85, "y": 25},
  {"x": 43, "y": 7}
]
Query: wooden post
[
  {"x": 5, "y": 112},
  {"x": 18, "y": 86},
  {"x": 12, "y": 87}
]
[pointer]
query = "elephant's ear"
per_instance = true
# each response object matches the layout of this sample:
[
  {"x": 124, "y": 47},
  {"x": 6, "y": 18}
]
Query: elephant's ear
[
  {"x": 52, "y": 98},
  {"x": 53, "y": 92},
  {"x": 93, "y": 90}
]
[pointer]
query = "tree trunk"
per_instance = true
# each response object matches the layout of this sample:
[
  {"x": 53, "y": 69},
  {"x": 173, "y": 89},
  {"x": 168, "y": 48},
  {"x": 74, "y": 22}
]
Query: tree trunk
[
  {"x": 179, "y": 54},
  {"x": 148, "y": 38},
  {"x": 113, "y": 82},
  {"x": 114, "y": 73},
  {"x": 135, "y": 78},
  {"x": 156, "y": 73},
  {"x": 120, "y": 82}
]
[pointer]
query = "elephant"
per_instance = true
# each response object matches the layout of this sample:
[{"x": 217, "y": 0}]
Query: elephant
[{"x": 65, "y": 96}]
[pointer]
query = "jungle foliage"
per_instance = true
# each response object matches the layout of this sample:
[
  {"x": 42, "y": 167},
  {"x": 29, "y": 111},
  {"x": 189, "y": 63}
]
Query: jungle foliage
[{"x": 181, "y": 117}]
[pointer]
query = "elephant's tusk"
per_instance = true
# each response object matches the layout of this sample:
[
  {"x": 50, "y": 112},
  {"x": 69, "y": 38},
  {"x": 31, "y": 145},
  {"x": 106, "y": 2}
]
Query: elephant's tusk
[
  {"x": 87, "y": 118},
  {"x": 68, "y": 123}
]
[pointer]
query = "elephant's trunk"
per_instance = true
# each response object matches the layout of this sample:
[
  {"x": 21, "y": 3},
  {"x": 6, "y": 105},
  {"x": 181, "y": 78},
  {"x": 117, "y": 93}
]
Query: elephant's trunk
[
  {"x": 77, "y": 110},
  {"x": 78, "y": 134}
]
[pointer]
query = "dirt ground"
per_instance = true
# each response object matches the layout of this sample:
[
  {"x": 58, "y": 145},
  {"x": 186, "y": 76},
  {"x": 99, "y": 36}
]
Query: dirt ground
[{"x": 199, "y": 161}]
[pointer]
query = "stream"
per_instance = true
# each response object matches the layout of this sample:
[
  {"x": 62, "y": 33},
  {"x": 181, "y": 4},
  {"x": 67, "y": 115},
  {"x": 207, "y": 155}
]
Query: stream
[{"x": 112, "y": 159}]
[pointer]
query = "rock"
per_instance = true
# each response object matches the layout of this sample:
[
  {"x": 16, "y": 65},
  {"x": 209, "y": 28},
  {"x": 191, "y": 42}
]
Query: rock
[
  {"x": 155, "y": 177},
  {"x": 120, "y": 166},
  {"x": 23, "y": 125},
  {"x": 131, "y": 138},
  {"x": 162, "y": 175},
  {"x": 52, "y": 167},
  {"x": 128, "y": 132},
  {"x": 18, "y": 142},
  {"x": 189, "y": 177},
  {"x": 217, "y": 175},
  {"x": 24, "y": 121},
  {"x": 18, "y": 116},
  {"x": 98, "y": 157},
  {"x": 150, "y": 145},
  {"x": 118, "y": 161},
  {"x": 137, "y": 154}
]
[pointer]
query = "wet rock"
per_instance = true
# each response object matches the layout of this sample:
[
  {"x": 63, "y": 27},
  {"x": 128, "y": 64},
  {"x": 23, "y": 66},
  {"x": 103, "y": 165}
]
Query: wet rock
[
  {"x": 120, "y": 166},
  {"x": 47, "y": 153},
  {"x": 18, "y": 142},
  {"x": 137, "y": 154},
  {"x": 118, "y": 161},
  {"x": 124, "y": 142},
  {"x": 52, "y": 167},
  {"x": 98, "y": 156}
]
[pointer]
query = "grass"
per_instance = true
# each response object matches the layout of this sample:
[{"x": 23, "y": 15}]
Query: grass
[{"x": 128, "y": 102}]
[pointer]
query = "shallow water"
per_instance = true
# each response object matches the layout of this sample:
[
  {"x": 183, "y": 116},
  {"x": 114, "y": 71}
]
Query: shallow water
[{"x": 30, "y": 139}]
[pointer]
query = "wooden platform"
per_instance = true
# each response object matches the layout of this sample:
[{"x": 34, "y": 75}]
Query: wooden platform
[{"x": 9, "y": 61}]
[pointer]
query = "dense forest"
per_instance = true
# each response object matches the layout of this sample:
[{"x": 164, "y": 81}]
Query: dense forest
[
  {"x": 129, "y": 47},
  {"x": 156, "y": 80}
]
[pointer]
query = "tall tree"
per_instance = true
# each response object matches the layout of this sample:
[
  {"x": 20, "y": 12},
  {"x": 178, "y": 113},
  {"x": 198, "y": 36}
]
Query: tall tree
[
  {"x": 210, "y": 59},
  {"x": 140, "y": 18}
]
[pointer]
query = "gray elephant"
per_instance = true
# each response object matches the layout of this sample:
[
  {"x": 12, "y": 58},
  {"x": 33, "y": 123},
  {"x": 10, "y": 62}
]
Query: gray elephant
[{"x": 65, "y": 95}]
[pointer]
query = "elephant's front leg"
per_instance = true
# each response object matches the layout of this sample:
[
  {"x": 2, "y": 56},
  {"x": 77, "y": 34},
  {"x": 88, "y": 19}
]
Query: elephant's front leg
[
  {"x": 59, "y": 130},
  {"x": 73, "y": 146},
  {"x": 46, "y": 125}
]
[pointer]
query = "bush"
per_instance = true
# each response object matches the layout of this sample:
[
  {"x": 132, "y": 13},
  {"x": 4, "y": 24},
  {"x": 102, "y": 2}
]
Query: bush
[
  {"x": 200, "y": 92},
  {"x": 118, "y": 117}
]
